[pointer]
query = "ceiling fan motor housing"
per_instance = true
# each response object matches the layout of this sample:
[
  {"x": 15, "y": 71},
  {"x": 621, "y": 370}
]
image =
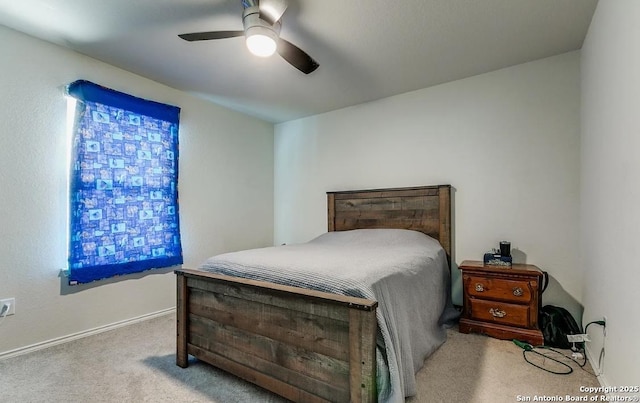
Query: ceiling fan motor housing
[{"x": 254, "y": 25}]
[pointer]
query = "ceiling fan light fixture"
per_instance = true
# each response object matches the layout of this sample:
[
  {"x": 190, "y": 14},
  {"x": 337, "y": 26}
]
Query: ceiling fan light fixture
[
  {"x": 261, "y": 23},
  {"x": 261, "y": 41}
]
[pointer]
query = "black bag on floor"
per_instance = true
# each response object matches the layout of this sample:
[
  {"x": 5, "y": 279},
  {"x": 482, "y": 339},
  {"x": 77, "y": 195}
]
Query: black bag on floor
[{"x": 556, "y": 323}]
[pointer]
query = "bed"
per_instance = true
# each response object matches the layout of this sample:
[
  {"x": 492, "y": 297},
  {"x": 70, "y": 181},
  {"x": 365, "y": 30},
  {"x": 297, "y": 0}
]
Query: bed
[{"x": 310, "y": 345}]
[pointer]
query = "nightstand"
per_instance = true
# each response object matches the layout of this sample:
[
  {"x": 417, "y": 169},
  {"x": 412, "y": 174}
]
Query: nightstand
[{"x": 502, "y": 302}]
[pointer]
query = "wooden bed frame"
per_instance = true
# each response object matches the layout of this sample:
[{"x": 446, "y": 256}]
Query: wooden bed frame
[{"x": 304, "y": 345}]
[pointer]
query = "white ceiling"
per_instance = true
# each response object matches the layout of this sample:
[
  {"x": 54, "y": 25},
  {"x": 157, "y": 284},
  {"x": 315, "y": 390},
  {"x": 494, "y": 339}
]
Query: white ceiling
[{"x": 367, "y": 49}]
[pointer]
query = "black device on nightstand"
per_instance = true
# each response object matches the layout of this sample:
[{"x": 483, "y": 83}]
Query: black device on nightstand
[{"x": 499, "y": 257}]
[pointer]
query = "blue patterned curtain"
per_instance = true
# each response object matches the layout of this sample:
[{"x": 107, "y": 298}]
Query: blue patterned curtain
[{"x": 124, "y": 185}]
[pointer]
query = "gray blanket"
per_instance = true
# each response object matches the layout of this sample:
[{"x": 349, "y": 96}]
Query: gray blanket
[{"x": 405, "y": 271}]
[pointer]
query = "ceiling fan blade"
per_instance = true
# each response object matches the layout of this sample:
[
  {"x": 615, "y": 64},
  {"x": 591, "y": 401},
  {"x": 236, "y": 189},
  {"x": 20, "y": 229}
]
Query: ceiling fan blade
[
  {"x": 296, "y": 57},
  {"x": 271, "y": 10},
  {"x": 205, "y": 36}
]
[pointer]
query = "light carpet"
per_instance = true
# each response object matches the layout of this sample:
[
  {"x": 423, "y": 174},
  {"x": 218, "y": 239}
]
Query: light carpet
[{"x": 136, "y": 363}]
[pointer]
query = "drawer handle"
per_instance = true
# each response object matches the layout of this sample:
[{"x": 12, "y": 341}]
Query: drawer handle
[
  {"x": 497, "y": 313},
  {"x": 479, "y": 287},
  {"x": 517, "y": 291}
]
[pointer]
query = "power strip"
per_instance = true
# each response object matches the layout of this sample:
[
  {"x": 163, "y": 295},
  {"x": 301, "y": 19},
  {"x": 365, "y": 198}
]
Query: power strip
[{"x": 578, "y": 338}]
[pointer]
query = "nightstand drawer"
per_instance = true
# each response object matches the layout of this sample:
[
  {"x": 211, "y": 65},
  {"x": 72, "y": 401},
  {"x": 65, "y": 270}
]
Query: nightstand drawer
[
  {"x": 499, "y": 312},
  {"x": 498, "y": 288}
]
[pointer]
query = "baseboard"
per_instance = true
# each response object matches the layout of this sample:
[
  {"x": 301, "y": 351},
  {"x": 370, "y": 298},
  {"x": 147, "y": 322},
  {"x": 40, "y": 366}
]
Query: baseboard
[
  {"x": 602, "y": 379},
  {"x": 86, "y": 333}
]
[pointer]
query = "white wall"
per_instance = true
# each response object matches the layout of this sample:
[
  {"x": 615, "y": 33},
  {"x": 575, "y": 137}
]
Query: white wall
[
  {"x": 610, "y": 185},
  {"x": 225, "y": 189},
  {"x": 508, "y": 142}
]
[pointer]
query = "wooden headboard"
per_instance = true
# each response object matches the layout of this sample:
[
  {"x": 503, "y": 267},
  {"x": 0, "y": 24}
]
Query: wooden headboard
[{"x": 426, "y": 209}]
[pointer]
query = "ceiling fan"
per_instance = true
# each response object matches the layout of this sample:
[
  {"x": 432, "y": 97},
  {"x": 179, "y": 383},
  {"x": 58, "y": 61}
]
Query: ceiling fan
[{"x": 262, "y": 23}]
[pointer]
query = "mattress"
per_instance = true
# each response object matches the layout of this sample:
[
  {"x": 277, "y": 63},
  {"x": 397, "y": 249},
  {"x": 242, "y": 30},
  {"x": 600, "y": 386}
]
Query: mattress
[{"x": 405, "y": 271}]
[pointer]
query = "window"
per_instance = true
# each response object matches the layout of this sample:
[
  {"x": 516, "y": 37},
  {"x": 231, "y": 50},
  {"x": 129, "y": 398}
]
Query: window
[{"x": 123, "y": 190}]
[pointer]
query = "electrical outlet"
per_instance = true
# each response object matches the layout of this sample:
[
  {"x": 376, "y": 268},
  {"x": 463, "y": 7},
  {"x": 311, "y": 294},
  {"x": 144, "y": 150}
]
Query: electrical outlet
[{"x": 12, "y": 306}]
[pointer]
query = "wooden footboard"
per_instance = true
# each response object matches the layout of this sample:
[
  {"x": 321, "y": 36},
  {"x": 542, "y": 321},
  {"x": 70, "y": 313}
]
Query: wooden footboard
[{"x": 304, "y": 345}]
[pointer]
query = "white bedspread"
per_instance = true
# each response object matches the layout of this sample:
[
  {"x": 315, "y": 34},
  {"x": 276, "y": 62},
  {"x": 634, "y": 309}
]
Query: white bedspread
[{"x": 405, "y": 271}]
